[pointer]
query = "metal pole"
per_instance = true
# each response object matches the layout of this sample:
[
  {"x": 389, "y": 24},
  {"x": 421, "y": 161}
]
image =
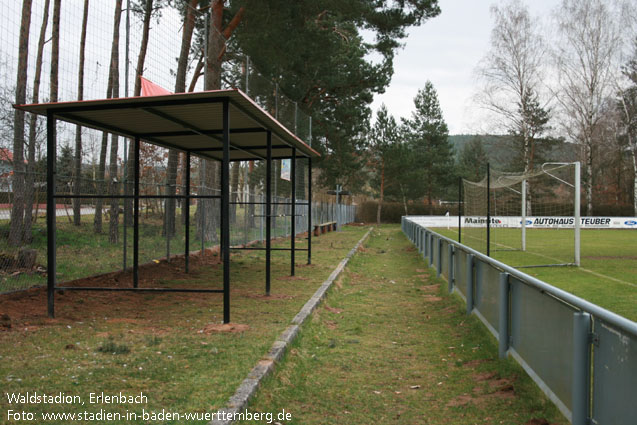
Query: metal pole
[
  {"x": 503, "y": 323},
  {"x": 268, "y": 210},
  {"x": 459, "y": 209},
  {"x": 50, "y": 211},
  {"x": 469, "y": 283},
  {"x": 451, "y": 277},
  {"x": 136, "y": 214},
  {"x": 225, "y": 211},
  {"x": 293, "y": 218},
  {"x": 581, "y": 368},
  {"x": 488, "y": 210},
  {"x": 309, "y": 211},
  {"x": 523, "y": 215},
  {"x": 187, "y": 207},
  {"x": 577, "y": 213}
]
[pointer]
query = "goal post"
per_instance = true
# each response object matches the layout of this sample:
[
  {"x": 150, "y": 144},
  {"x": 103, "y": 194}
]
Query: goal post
[{"x": 537, "y": 212}]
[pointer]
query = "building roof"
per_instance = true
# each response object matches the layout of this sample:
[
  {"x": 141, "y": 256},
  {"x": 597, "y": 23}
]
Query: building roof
[{"x": 186, "y": 121}]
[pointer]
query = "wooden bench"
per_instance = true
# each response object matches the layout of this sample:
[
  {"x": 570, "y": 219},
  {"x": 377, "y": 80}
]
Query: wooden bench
[{"x": 324, "y": 227}]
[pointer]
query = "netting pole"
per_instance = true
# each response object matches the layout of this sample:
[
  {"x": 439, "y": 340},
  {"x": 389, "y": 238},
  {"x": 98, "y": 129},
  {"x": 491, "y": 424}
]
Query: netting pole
[
  {"x": 268, "y": 210},
  {"x": 187, "y": 207},
  {"x": 225, "y": 210},
  {"x": 293, "y": 218},
  {"x": 459, "y": 209},
  {"x": 126, "y": 68},
  {"x": 50, "y": 212},
  {"x": 136, "y": 214},
  {"x": 309, "y": 211},
  {"x": 577, "y": 213},
  {"x": 524, "y": 215},
  {"x": 488, "y": 210}
]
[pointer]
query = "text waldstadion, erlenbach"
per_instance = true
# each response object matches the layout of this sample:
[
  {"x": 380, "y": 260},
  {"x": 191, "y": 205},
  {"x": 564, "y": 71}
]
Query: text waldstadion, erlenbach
[{"x": 63, "y": 398}]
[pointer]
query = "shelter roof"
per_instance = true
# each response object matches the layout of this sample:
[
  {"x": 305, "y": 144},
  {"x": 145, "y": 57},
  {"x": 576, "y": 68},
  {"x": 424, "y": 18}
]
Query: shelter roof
[{"x": 186, "y": 121}]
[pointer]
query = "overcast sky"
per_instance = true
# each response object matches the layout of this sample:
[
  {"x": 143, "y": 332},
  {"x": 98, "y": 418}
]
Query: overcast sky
[{"x": 446, "y": 50}]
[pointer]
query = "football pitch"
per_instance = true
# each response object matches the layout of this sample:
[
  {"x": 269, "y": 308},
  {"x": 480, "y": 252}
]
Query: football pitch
[{"x": 607, "y": 275}]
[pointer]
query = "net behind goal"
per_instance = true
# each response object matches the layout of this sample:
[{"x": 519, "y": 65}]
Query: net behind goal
[{"x": 536, "y": 213}]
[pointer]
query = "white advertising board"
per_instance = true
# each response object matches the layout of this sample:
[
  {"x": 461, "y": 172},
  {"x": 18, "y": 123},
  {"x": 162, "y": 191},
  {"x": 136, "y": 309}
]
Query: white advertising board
[{"x": 531, "y": 222}]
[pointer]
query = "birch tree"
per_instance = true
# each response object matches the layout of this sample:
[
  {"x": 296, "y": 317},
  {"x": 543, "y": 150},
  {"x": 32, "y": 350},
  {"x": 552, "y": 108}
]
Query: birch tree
[{"x": 586, "y": 58}]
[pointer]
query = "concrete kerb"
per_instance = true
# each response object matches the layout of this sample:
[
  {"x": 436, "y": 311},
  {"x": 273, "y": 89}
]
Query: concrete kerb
[{"x": 239, "y": 401}]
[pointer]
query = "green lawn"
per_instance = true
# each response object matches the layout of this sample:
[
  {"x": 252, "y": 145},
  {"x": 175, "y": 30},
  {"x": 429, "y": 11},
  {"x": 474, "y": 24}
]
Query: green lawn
[
  {"x": 158, "y": 344},
  {"x": 608, "y": 272},
  {"x": 388, "y": 346}
]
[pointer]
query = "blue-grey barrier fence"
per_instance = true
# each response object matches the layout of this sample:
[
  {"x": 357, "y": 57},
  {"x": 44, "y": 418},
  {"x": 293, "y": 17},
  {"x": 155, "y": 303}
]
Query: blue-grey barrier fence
[{"x": 582, "y": 356}]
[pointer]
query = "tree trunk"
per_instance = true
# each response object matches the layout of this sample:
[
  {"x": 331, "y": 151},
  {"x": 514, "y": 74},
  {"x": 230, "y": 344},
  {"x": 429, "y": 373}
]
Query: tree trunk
[
  {"x": 589, "y": 177},
  {"x": 77, "y": 186},
  {"x": 382, "y": 191},
  {"x": 113, "y": 234},
  {"x": 17, "y": 209},
  {"x": 101, "y": 173},
  {"x": 634, "y": 158},
  {"x": 139, "y": 71},
  {"x": 33, "y": 123},
  {"x": 234, "y": 190}
]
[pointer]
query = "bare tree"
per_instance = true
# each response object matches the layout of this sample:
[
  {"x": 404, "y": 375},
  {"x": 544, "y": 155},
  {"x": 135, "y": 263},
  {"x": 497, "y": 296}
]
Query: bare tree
[
  {"x": 512, "y": 75},
  {"x": 77, "y": 165},
  {"x": 33, "y": 124},
  {"x": 586, "y": 58},
  {"x": 628, "y": 120},
  {"x": 17, "y": 209},
  {"x": 113, "y": 233}
]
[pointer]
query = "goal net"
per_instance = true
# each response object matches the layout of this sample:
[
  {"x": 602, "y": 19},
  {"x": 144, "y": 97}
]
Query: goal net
[{"x": 525, "y": 219}]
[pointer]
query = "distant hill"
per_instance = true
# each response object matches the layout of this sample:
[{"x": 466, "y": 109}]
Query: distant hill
[{"x": 502, "y": 151}]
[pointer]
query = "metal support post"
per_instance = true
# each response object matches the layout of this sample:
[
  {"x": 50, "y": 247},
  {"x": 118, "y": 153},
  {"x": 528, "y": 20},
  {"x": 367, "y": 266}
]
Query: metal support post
[
  {"x": 439, "y": 262},
  {"x": 523, "y": 215},
  {"x": 268, "y": 211},
  {"x": 460, "y": 209},
  {"x": 187, "y": 207},
  {"x": 488, "y": 210},
  {"x": 225, "y": 211},
  {"x": 309, "y": 211},
  {"x": 469, "y": 283},
  {"x": 581, "y": 368},
  {"x": 577, "y": 213},
  {"x": 136, "y": 213},
  {"x": 50, "y": 211},
  {"x": 451, "y": 279},
  {"x": 503, "y": 323},
  {"x": 293, "y": 216}
]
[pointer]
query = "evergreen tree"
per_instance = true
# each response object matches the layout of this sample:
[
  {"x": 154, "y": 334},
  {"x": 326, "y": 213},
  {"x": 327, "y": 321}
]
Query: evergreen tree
[
  {"x": 430, "y": 155},
  {"x": 472, "y": 160}
]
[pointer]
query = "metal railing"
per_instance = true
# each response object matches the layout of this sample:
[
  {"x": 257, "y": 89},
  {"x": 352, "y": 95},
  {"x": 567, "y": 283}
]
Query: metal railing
[{"x": 582, "y": 356}]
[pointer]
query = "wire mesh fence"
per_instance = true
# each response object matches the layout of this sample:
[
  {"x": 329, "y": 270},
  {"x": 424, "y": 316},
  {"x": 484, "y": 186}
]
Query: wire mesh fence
[{"x": 94, "y": 171}]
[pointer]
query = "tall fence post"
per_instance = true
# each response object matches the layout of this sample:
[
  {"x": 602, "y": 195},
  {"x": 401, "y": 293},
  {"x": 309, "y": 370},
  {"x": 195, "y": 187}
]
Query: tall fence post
[
  {"x": 469, "y": 283},
  {"x": 431, "y": 249},
  {"x": 503, "y": 328},
  {"x": 450, "y": 265},
  {"x": 581, "y": 368},
  {"x": 439, "y": 262}
]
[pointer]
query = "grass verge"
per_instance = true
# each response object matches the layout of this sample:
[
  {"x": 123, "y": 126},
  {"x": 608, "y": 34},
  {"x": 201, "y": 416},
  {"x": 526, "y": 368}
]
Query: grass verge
[
  {"x": 388, "y": 346},
  {"x": 167, "y": 346}
]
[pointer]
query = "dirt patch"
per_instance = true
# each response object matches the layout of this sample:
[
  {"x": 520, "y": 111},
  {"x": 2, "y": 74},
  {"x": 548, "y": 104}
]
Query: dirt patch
[
  {"x": 537, "y": 421},
  {"x": 292, "y": 278},
  {"x": 485, "y": 376},
  {"x": 474, "y": 363},
  {"x": 421, "y": 270},
  {"x": 361, "y": 248},
  {"x": 330, "y": 324},
  {"x": 432, "y": 298},
  {"x": 268, "y": 297},
  {"x": 430, "y": 288},
  {"x": 332, "y": 309},
  {"x": 224, "y": 328},
  {"x": 410, "y": 248}
]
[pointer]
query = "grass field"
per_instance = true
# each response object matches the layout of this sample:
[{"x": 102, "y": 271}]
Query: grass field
[
  {"x": 388, "y": 346},
  {"x": 608, "y": 272},
  {"x": 165, "y": 345}
]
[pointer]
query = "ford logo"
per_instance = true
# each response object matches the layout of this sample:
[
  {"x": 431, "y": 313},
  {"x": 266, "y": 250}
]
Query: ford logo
[
  {"x": 528, "y": 222},
  {"x": 630, "y": 222}
]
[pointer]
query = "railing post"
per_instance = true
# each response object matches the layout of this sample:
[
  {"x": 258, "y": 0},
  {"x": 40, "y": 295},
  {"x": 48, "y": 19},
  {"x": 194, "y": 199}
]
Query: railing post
[
  {"x": 451, "y": 279},
  {"x": 423, "y": 238},
  {"x": 439, "y": 262},
  {"x": 581, "y": 368},
  {"x": 431, "y": 250},
  {"x": 469, "y": 283},
  {"x": 503, "y": 328}
]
